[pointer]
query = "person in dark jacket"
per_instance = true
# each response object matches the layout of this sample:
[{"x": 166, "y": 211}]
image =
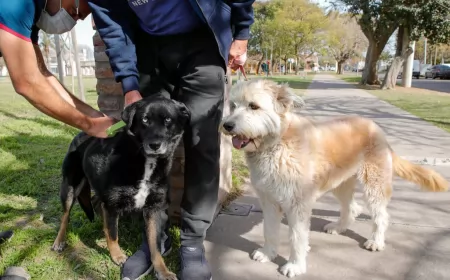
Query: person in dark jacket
[{"x": 180, "y": 49}]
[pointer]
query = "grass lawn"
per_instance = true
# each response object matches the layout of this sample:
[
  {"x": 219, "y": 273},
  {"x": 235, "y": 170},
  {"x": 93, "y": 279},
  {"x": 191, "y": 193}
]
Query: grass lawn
[
  {"x": 32, "y": 147},
  {"x": 429, "y": 105}
]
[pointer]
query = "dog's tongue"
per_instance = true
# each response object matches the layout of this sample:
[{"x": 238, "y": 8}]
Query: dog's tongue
[{"x": 238, "y": 143}]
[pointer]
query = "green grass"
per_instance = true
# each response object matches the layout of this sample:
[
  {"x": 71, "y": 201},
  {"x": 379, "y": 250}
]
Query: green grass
[
  {"x": 32, "y": 147},
  {"x": 429, "y": 105}
]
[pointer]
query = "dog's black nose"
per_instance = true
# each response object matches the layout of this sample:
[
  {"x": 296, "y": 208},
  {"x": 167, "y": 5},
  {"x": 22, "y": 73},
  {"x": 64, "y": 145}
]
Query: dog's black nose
[
  {"x": 228, "y": 126},
  {"x": 154, "y": 146}
]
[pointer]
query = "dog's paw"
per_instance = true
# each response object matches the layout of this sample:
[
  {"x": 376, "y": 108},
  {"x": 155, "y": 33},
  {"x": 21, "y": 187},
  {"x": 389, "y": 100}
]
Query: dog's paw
[
  {"x": 58, "y": 246},
  {"x": 334, "y": 228},
  {"x": 292, "y": 269},
  {"x": 260, "y": 255},
  {"x": 372, "y": 245},
  {"x": 166, "y": 276},
  {"x": 119, "y": 259}
]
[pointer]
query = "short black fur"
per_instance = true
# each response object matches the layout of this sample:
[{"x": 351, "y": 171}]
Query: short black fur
[{"x": 128, "y": 172}]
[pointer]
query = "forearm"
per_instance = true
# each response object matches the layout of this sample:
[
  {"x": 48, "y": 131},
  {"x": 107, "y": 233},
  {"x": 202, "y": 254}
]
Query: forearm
[
  {"x": 61, "y": 90},
  {"x": 116, "y": 24},
  {"x": 242, "y": 17},
  {"x": 73, "y": 100},
  {"x": 42, "y": 95}
]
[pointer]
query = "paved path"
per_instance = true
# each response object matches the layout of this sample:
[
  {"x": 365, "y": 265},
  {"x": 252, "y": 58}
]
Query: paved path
[
  {"x": 409, "y": 135},
  {"x": 418, "y": 238}
]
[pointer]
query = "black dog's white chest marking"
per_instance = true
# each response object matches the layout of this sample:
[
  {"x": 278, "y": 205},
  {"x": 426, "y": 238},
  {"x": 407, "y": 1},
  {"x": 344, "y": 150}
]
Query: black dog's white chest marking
[{"x": 144, "y": 186}]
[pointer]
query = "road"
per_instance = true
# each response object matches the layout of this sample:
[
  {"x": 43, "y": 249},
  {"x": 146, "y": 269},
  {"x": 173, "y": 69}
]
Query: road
[
  {"x": 438, "y": 85},
  {"x": 430, "y": 84}
]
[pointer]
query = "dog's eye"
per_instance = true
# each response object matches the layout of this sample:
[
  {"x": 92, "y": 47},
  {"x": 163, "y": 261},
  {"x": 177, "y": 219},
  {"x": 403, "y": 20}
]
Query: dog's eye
[
  {"x": 144, "y": 120},
  {"x": 167, "y": 120},
  {"x": 253, "y": 106}
]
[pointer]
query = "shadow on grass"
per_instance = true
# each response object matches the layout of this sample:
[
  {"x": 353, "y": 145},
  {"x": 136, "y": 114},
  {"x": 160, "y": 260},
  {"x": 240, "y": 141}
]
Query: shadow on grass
[{"x": 34, "y": 173}]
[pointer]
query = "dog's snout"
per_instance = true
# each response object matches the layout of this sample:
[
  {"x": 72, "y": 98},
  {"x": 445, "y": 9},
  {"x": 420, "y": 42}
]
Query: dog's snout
[
  {"x": 154, "y": 146},
  {"x": 228, "y": 126}
]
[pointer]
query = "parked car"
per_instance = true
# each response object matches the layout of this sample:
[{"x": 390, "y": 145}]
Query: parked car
[
  {"x": 437, "y": 71},
  {"x": 446, "y": 74}
]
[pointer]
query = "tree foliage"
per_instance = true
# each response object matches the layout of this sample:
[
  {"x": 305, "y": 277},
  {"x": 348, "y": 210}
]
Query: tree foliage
[
  {"x": 345, "y": 39},
  {"x": 379, "y": 20},
  {"x": 287, "y": 29}
]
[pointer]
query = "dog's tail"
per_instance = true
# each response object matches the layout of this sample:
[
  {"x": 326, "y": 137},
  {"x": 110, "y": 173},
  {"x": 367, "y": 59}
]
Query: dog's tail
[{"x": 427, "y": 178}]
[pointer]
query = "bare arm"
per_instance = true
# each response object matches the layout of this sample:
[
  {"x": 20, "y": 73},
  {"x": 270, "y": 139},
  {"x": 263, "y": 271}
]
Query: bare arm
[
  {"x": 62, "y": 91},
  {"x": 22, "y": 62}
]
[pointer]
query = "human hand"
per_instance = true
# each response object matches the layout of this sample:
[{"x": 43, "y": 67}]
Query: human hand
[
  {"x": 132, "y": 96},
  {"x": 238, "y": 54},
  {"x": 100, "y": 125}
]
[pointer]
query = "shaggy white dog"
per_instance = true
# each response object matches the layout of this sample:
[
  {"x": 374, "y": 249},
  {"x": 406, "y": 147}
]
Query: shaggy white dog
[{"x": 293, "y": 161}]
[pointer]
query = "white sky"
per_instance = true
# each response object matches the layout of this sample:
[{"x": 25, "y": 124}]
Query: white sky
[{"x": 85, "y": 32}]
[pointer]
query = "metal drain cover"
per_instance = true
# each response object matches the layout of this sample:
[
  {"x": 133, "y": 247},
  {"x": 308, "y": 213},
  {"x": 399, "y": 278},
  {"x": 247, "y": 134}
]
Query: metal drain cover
[{"x": 237, "y": 209}]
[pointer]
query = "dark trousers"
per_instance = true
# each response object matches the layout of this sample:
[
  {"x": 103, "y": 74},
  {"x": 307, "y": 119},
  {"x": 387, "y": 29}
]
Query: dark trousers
[{"x": 189, "y": 68}]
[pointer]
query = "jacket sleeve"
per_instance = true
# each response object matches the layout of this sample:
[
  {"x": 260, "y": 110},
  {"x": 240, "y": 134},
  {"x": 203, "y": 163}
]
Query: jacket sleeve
[
  {"x": 116, "y": 22},
  {"x": 241, "y": 18}
]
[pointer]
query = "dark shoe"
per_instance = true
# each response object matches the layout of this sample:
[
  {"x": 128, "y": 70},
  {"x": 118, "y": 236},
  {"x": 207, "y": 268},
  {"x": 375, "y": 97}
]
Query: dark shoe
[
  {"x": 139, "y": 264},
  {"x": 193, "y": 264}
]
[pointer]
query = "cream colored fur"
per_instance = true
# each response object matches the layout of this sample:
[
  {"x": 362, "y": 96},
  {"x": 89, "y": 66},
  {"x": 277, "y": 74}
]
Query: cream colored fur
[{"x": 293, "y": 161}]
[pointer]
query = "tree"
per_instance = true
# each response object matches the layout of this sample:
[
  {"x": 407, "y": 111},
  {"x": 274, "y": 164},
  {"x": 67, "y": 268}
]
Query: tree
[
  {"x": 344, "y": 39},
  {"x": 304, "y": 24},
  {"x": 428, "y": 18},
  {"x": 378, "y": 21},
  {"x": 264, "y": 12},
  {"x": 46, "y": 44}
]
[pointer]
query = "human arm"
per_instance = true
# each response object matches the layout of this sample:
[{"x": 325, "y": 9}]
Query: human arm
[
  {"x": 22, "y": 63},
  {"x": 115, "y": 23},
  {"x": 241, "y": 20},
  {"x": 62, "y": 91}
]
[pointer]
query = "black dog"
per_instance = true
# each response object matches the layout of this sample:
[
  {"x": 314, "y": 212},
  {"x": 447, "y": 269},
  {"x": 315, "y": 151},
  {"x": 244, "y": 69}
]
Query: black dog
[{"x": 128, "y": 173}]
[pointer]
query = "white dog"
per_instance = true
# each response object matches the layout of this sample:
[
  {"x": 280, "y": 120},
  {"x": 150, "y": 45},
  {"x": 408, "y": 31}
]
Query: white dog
[{"x": 293, "y": 161}]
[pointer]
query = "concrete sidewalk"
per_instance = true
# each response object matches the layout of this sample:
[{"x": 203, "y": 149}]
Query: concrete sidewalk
[
  {"x": 417, "y": 240},
  {"x": 408, "y": 135}
]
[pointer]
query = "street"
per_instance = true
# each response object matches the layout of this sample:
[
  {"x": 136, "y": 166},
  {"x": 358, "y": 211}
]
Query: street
[
  {"x": 430, "y": 84},
  {"x": 437, "y": 85}
]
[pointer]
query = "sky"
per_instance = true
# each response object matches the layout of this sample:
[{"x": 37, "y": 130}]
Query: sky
[{"x": 85, "y": 32}]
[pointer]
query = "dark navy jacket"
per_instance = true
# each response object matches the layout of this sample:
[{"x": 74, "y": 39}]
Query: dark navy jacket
[{"x": 116, "y": 24}]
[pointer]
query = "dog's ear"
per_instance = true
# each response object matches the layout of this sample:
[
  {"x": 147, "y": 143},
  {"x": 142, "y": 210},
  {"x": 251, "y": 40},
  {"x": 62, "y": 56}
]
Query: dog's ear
[
  {"x": 286, "y": 98},
  {"x": 128, "y": 116},
  {"x": 184, "y": 112}
]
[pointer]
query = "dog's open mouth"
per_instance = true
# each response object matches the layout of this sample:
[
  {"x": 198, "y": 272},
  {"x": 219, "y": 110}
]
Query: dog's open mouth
[{"x": 240, "y": 142}]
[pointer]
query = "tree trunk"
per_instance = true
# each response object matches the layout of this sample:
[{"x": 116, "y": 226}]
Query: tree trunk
[
  {"x": 258, "y": 68},
  {"x": 390, "y": 79},
  {"x": 297, "y": 62},
  {"x": 340, "y": 67},
  {"x": 409, "y": 59},
  {"x": 370, "y": 75}
]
